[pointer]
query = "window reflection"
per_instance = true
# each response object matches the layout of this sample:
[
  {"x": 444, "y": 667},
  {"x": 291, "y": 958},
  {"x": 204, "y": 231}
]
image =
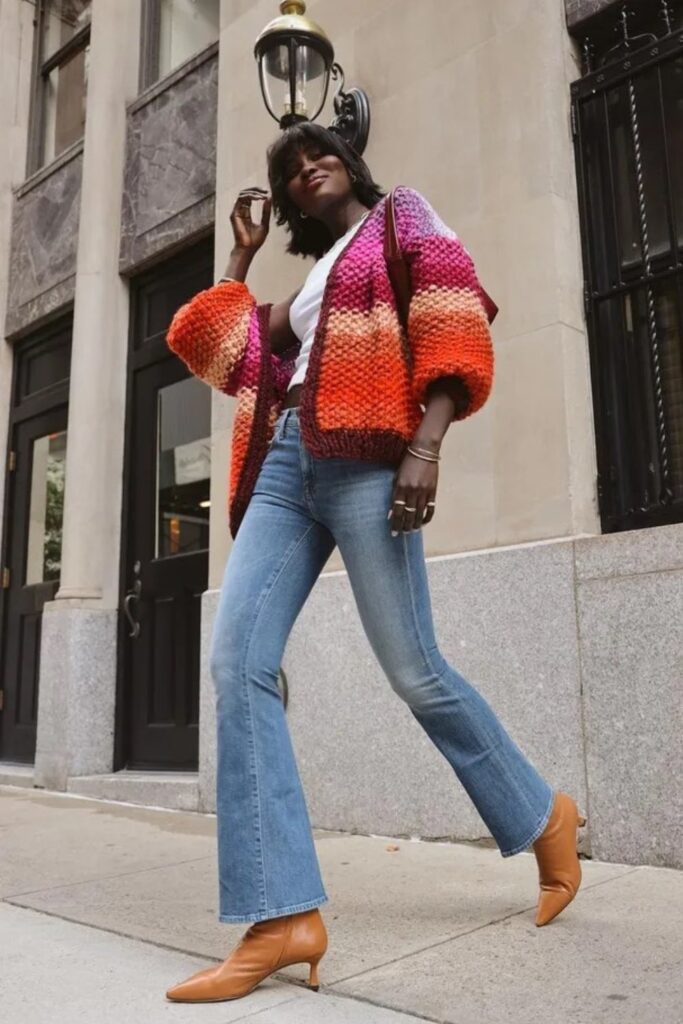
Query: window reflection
[
  {"x": 46, "y": 511},
  {"x": 65, "y": 86},
  {"x": 64, "y": 18},
  {"x": 183, "y": 468},
  {"x": 185, "y": 28}
]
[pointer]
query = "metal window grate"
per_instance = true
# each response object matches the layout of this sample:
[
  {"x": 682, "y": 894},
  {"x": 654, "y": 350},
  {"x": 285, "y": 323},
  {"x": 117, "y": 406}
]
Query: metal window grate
[{"x": 627, "y": 120}]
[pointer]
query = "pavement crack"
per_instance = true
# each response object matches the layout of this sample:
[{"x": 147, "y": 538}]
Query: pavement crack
[
  {"x": 471, "y": 931},
  {"x": 103, "y": 878},
  {"x": 261, "y": 1010},
  {"x": 411, "y": 1014},
  {"x": 114, "y": 931}
]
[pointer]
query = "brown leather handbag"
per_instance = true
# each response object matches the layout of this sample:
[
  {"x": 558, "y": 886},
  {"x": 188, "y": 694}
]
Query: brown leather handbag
[{"x": 398, "y": 268}]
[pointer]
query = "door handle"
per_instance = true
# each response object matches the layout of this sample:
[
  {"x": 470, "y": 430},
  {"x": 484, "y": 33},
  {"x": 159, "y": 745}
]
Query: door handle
[{"x": 132, "y": 595}]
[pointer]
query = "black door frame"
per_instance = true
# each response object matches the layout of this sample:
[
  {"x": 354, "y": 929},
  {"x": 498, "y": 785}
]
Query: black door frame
[
  {"x": 200, "y": 252},
  {"x": 26, "y": 405}
]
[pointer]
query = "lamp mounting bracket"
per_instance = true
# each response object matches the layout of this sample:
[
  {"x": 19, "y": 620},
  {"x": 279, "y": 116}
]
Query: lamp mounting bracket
[{"x": 352, "y": 109}]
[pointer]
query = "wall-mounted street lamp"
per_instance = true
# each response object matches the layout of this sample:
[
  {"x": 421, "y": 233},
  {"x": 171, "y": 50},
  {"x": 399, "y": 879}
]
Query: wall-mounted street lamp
[{"x": 295, "y": 60}]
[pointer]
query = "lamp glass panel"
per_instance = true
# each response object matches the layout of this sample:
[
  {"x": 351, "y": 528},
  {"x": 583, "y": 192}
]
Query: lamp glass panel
[
  {"x": 276, "y": 79},
  {"x": 311, "y": 80}
]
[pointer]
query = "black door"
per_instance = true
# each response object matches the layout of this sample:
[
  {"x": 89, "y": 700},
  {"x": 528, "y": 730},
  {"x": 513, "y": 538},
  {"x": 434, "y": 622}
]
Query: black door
[
  {"x": 165, "y": 556},
  {"x": 33, "y": 529}
]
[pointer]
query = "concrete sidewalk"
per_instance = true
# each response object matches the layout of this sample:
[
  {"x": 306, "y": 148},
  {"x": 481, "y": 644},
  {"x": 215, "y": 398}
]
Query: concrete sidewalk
[{"x": 105, "y": 905}]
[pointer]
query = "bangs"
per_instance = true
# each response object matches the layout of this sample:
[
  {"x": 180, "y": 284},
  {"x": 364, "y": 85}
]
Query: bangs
[{"x": 305, "y": 136}]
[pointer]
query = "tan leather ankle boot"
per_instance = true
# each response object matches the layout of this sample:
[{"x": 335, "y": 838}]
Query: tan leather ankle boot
[
  {"x": 559, "y": 867},
  {"x": 263, "y": 949}
]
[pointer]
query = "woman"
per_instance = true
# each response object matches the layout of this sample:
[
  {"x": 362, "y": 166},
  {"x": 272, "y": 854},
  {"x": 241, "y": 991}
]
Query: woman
[{"x": 339, "y": 420}]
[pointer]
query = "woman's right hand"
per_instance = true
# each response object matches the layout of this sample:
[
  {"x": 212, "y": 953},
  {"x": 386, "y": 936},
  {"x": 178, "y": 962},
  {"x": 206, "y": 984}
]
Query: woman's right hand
[{"x": 249, "y": 237}]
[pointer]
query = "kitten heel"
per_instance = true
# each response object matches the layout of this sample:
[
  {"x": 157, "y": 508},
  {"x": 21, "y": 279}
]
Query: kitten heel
[{"x": 314, "y": 980}]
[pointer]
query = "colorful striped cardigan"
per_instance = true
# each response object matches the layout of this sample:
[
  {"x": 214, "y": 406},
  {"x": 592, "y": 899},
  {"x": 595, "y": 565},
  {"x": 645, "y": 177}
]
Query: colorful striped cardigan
[{"x": 366, "y": 376}]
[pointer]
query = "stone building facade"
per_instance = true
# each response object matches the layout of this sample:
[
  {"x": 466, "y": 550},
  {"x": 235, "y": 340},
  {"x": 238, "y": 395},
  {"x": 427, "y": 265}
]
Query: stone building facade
[{"x": 121, "y": 167}]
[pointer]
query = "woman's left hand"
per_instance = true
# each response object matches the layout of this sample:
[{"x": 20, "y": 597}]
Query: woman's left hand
[{"x": 415, "y": 485}]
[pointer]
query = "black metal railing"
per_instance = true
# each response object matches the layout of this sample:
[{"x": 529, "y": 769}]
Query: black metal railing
[{"x": 627, "y": 122}]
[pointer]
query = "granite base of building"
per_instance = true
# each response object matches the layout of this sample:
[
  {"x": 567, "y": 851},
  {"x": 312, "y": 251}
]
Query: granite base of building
[
  {"x": 207, "y": 708},
  {"x": 77, "y": 695},
  {"x": 575, "y": 643}
]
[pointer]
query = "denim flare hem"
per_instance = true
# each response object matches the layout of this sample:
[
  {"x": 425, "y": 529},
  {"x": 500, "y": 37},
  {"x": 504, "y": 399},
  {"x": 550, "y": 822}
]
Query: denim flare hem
[
  {"x": 536, "y": 833},
  {"x": 265, "y": 915}
]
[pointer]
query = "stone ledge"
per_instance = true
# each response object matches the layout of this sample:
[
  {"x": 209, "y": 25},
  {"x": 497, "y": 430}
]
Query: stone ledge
[
  {"x": 171, "y": 790},
  {"x": 16, "y": 774},
  {"x": 172, "y": 78},
  {"x": 47, "y": 170},
  {"x": 630, "y": 552}
]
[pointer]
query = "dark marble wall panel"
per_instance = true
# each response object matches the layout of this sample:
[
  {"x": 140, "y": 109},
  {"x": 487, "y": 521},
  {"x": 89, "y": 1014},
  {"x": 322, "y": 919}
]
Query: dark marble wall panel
[
  {"x": 43, "y": 245},
  {"x": 170, "y": 170}
]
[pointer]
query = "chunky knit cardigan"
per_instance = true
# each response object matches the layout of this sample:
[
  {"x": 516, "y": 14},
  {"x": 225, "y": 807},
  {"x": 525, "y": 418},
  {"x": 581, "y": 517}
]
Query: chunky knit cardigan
[{"x": 366, "y": 377}]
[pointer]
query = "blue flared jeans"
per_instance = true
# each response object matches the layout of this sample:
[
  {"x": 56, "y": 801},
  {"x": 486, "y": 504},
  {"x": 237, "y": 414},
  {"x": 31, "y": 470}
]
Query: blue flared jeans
[{"x": 301, "y": 507}]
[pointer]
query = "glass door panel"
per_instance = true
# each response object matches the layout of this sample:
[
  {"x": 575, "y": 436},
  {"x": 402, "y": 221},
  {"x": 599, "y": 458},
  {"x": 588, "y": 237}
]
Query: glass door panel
[
  {"x": 183, "y": 468},
  {"x": 46, "y": 508}
]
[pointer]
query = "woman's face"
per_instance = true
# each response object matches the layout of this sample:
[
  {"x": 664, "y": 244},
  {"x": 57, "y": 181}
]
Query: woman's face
[{"x": 314, "y": 179}]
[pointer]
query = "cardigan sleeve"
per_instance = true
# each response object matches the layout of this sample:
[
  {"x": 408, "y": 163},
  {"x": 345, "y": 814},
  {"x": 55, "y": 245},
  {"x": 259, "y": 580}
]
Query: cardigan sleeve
[
  {"x": 448, "y": 327},
  {"x": 221, "y": 334}
]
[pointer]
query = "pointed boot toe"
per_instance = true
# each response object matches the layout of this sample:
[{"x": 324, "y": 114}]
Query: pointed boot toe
[
  {"x": 551, "y": 902},
  {"x": 559, "y": 867},
  {"x": 193, "y": 988},
  {"x": 265, "y": 947}
]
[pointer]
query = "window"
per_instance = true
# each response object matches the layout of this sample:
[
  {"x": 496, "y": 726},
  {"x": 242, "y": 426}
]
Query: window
[
  {"x": 627, "y": 116},
  {"x": 61, "y": 52},
  {"x": 173, "y": 31}
]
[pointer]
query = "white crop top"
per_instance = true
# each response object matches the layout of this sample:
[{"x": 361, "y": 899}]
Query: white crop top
[{"x": 304, "y": 311}]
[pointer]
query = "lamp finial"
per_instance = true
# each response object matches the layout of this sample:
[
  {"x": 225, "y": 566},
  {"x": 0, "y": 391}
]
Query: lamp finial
[{"x": 292, "y": 7}]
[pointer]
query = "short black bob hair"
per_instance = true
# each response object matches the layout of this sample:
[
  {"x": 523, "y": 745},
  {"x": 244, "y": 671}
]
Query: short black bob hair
[{"x": 310, "y": 237}]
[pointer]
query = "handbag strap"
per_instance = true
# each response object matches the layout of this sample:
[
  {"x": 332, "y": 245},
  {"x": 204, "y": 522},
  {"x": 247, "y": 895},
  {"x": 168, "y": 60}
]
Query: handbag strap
[
  {"x": 399, "y": 273},
  {"x": 396, "y": 264}
]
